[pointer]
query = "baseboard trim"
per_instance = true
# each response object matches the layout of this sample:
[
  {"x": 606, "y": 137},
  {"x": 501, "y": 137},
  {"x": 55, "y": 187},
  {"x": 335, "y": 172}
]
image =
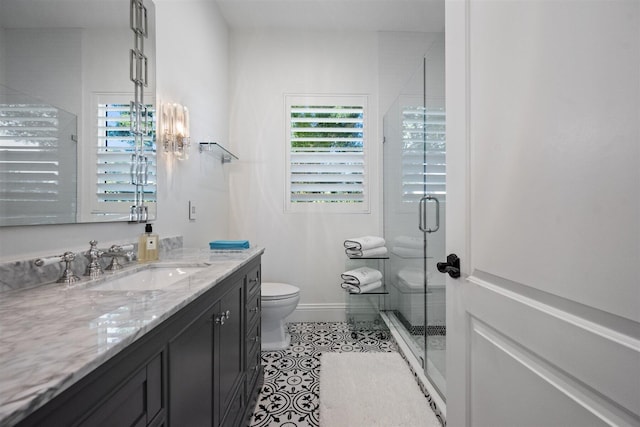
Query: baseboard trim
[{"x": 330, "y": 312}]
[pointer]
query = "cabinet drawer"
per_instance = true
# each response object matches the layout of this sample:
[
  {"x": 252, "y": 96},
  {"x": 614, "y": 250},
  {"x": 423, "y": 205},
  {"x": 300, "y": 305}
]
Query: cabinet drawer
[
  {"x": 253, "y": 281},
  {"x": 135, "y": 403},
  {"x": 252, "y": 309},
  {"x": 254, "y": 364},
  {"x": 253, "y": 342}
]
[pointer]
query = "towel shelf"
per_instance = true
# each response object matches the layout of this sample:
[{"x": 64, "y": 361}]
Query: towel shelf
[
  {"x": 213, "y": 147},
  {"x": 363, "y": 309}
]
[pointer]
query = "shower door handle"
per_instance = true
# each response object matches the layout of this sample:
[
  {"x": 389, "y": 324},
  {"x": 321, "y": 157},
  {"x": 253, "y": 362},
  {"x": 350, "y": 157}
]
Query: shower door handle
[{"x": 422, "y": 221}]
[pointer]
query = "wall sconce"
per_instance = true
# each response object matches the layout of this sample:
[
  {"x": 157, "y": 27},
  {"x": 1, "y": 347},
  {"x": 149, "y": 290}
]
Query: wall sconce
[{"x": 175, "y": 130}]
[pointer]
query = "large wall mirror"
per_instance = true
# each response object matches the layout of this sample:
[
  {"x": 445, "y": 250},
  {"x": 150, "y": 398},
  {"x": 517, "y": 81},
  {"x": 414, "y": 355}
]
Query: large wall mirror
[{"x": 65, "y": 92}]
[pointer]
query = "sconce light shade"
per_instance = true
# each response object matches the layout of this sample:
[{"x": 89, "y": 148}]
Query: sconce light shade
[{"x": 175, "y": 130}]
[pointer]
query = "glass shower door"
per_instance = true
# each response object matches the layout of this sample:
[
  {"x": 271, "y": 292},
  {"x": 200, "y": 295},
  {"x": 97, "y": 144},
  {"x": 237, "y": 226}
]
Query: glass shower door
[
  {"x": 434, "y": 176},
  {"x": 414, "y": 200}
]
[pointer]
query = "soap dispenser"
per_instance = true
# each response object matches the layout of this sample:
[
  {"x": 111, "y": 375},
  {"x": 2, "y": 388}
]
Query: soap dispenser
[{"x": 148, "y": 245}]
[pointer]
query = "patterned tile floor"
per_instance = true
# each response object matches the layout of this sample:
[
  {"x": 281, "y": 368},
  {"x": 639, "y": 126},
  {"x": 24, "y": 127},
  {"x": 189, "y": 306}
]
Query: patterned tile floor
[{"x": 289, "y": 397}]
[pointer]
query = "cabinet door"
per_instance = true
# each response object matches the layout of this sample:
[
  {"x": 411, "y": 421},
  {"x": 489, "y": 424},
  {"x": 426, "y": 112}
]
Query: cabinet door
[
  {"x": 136, "y": 402},
  {"x": 229, "y": 349},
  {"x": 191, "y": 374}
]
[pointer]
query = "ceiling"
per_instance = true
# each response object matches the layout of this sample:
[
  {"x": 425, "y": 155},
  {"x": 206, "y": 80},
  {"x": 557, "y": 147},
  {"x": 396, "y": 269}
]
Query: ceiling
[{"x": 335, "y": 15}]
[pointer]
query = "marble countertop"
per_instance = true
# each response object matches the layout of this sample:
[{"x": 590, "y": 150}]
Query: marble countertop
[{"x": 53, "y": 335}]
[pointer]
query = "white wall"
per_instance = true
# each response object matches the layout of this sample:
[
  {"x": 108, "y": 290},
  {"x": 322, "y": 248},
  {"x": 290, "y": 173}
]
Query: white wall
[
  {"x": 399, "y": 58},
  {"x": 2, "y": 56},
  {"x": 305, "y": 249},
  {"x": 192, "y": 70},
  {"x": 192, "y": 58}
]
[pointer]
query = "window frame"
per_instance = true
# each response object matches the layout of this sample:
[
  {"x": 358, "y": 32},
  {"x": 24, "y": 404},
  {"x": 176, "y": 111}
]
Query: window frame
[{"x": 330, "y": 100}]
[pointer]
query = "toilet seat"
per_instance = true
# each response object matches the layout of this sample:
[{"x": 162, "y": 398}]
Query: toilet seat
[{"x": 277, "y": 291}]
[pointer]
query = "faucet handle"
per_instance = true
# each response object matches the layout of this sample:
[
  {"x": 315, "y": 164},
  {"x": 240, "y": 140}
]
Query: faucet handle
[
  {"x": 117, "y": 251},
  {"x": 94, "y": 269},
  {"x": 43, "y": 262},
  {"x": 67, "y": 258}
]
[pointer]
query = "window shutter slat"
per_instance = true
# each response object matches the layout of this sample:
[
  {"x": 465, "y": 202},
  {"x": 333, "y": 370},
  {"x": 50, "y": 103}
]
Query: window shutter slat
[{"x": 327, "y": 163}]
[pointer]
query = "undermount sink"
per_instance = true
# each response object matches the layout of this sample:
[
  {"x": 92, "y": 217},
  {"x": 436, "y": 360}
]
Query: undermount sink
[{"x": 151, "y": 278}]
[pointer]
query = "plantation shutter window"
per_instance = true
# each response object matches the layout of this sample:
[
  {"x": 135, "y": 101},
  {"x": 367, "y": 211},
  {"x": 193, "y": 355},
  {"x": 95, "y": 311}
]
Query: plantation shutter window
[
  {"x": 326, "y": 153},
  {"x": 115, "y": 166},
  {"x": 423, "y": 153}
]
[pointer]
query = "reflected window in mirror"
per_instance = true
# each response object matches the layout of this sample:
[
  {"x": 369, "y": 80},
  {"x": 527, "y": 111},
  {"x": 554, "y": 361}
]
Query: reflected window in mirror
[
  {"x": 37, "y": 161},
  {"x": 111, "y": 192}
]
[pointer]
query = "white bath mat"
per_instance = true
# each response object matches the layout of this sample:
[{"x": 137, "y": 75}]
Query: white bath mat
[{"x": 371, "y": 390}]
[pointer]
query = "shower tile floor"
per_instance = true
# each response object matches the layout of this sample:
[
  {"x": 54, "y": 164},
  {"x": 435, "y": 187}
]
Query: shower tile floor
[{"x": 289, "y": 396}]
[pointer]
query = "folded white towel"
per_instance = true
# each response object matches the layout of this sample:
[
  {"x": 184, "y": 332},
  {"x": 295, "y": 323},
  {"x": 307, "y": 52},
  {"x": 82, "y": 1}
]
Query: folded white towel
[
  {"x": 361, "y": 289},
  {"x": 403, "y": 252},
  {"x": 361, "y": 276},
  {"x": 364, "y": 242},
  {"x": 409, "y": 242},
  {"x": 366, "y": 253}
]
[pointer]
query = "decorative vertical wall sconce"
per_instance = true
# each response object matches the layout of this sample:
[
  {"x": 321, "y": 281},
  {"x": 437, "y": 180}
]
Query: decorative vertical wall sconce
[{"x": 175, "y": 130}]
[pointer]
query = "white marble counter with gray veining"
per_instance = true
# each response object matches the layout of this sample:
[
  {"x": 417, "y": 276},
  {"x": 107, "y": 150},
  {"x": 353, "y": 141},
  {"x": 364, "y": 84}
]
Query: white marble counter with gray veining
[{"x": 53, "y": 335}]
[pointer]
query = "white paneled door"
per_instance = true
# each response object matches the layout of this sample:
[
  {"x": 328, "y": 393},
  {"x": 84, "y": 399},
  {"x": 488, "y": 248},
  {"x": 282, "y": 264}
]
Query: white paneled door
[{"x": 543, "y": 150}]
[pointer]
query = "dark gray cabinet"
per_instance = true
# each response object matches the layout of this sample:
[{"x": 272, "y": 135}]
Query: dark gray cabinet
[
  {"x": 205, "y": 364},
  {"x": 191, "y": 374},
  {"x": 252, "y": 362},
  {"x": 228, "y": 357},
  {"x": 200, "y": 367}
]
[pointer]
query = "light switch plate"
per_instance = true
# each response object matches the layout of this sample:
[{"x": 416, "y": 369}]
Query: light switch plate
[{"x": 192, "y": 210}]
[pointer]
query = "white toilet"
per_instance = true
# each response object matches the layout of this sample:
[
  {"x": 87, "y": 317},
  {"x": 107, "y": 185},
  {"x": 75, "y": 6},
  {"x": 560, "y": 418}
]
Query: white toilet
[{"x": 278, "y": 301}]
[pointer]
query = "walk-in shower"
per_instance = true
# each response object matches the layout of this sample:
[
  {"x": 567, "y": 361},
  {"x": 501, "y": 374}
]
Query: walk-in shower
[{"x": 414, "y": 215}]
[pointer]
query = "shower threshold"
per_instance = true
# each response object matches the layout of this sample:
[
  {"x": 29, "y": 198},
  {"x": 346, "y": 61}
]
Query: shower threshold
[{"x": 436, "y": 401}]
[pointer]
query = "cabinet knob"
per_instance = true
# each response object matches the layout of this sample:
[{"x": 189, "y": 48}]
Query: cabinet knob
[
  {"x": 255, "y": 309},
  {"x": 222, "y": 317}
]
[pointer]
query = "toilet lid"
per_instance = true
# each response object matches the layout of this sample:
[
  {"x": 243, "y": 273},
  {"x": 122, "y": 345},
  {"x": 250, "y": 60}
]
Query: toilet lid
[{"x": 277, "y": 290}]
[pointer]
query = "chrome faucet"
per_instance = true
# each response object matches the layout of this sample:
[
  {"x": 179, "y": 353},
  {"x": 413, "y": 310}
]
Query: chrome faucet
[
  {"x": 67, "y": 258},
  {"x": 94, "y": 269}
]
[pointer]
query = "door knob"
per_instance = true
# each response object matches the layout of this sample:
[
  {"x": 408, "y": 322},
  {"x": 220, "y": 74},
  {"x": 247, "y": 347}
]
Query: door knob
[{"x": 452, "y": 266}]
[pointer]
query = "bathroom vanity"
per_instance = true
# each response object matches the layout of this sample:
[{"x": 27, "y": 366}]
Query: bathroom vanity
[{"x": 184, "y": 354}]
